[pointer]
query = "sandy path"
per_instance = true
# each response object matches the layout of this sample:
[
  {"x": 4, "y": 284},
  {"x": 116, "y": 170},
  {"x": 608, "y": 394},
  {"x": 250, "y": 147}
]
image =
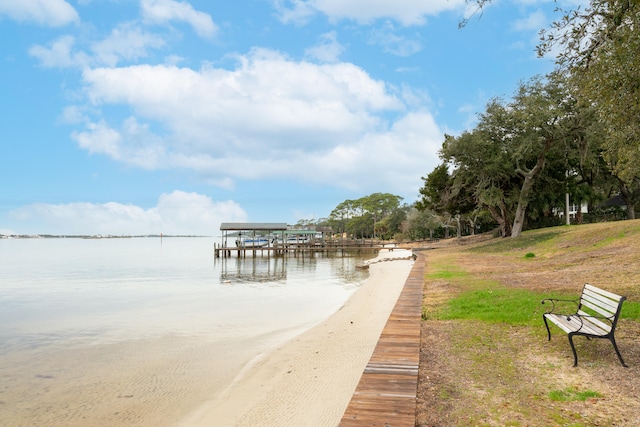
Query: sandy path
[{"x": 310, "y": 380}]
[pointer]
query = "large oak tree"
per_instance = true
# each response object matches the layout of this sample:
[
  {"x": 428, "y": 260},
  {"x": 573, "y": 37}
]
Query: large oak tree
[{"x": 598, "y": 46}]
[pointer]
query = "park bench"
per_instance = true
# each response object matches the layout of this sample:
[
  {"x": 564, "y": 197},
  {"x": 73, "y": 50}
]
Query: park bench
[{"x": 596, "y": 317}]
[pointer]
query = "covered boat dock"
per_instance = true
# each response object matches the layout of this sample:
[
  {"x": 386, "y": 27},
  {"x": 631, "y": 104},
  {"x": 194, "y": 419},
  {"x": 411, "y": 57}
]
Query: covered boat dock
[
  {"x": 277, "y": 238},
  {"x": 240, "y": 231}
]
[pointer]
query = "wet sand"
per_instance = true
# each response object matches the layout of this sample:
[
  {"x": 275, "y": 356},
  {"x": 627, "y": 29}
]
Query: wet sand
[{"x": 146, "y": 383}]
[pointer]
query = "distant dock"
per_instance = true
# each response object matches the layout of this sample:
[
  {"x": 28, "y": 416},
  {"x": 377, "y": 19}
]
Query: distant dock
[
  {"x": 274, "y": 239},
  {"x": 302, "y": 249}
]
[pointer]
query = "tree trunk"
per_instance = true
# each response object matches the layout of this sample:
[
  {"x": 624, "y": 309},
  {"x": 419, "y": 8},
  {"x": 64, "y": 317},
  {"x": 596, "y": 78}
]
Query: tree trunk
[
  {"x": 579, "y": 216},
  {"x": 501, "y": 219},
  {"x": 525, "y": 191},
  {"x": 523, "y": 202},
  {"x": 631, "y": 212},
  {"x": 629, "y": 196},
  {"x": 472, "y": 226}
]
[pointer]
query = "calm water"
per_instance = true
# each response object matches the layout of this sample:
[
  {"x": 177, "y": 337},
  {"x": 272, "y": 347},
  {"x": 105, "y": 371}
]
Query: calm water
[{"x": 66, "y": 292}]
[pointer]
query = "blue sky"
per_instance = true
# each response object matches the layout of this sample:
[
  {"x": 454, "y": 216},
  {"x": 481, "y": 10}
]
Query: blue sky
[{"x": 165, "y": 116}]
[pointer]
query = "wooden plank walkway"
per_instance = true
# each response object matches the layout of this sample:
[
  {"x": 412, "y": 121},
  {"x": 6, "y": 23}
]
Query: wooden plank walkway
[{"x": 386, "y": 393}]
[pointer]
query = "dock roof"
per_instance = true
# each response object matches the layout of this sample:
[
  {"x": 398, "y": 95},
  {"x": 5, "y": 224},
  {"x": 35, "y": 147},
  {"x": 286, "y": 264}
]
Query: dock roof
[{"x": 244, "y": 226}]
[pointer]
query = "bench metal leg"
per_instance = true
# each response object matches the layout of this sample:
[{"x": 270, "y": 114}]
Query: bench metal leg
[
  {"x": 615, "y": 347},
  {"x": 573, "y": 348},
  {"x": 611, "y": 338},
  {"x": 547, "y": 325}
]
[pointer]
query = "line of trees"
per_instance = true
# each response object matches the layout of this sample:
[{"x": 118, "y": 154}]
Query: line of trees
[
  {"x": 575, "y": 131},
  {"x": 384, "y": 216},
  {"x": 378, "y": 215}
]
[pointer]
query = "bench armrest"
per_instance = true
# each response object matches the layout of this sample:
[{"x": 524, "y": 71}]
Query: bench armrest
[{"x": 553, "y": 302}]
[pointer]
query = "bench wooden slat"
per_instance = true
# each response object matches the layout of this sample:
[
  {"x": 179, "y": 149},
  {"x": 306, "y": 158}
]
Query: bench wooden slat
[
  {"x": 560, "y": 321},
  {"x": 611, "y": 298},
  {"x": 603, "y": 292},
  {"x": 595, "y": 325},
  {"x": 599, "y": 310},
  {"x": 603, "y": 325},
  {"x": 599, "y": 300},
  {"x": 573, "y": 324},
  {"x": 603, "y": 302}
]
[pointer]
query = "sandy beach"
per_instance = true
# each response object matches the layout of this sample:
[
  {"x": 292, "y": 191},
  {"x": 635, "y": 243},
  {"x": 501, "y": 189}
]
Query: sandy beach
[{"x": 310, "y": 380}]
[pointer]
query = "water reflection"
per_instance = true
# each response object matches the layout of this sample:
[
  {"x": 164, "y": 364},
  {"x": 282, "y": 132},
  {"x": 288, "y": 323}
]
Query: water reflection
[
  {"x": 273, "y": 269},
  {"x": 253, "y": 269}
]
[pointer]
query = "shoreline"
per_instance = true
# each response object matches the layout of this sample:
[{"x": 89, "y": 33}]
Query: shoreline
[{"x": 310, "y": 379}]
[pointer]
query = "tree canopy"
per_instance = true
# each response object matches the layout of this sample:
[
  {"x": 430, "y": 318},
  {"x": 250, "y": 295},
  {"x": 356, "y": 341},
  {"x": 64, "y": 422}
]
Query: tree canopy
[
  {"x": 375, "y": 215},
  {"x": 598, "y": 48},
  {"x": 574, "y": 132}
]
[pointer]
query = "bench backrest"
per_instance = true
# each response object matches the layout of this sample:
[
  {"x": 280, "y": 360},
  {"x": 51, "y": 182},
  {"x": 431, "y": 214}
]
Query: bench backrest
[{"x": 598, "y": 302}]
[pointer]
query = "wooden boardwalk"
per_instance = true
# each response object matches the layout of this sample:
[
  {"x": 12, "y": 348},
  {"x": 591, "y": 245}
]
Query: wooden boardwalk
[{"x": 386, "y": 393}]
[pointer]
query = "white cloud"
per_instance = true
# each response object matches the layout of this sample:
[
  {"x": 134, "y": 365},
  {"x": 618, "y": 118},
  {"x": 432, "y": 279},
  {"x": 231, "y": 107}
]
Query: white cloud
[
  {"x": 267, "y": 102},
  {"x": 163, "y": 11},
  {"x": 128, "y": 41},
  {"x": 534, "y": 22},
  {"x": 406, "y": 12},
  {"x": 60, "y": 54},
  {"x": 390, "y": 159},
  {"x": 178, "y": 212},
  {"x": 471, "y": 113},
  {"x": 328, "y": 50},
  {"x": 125, "y": 42},
  {"x": 576, "y": 3},
  {"x": 562, "y": 3},
  {"x": 100, "y": 139},
  {"x": 73, "y": 115},
  {"x": 298, "y": 11},
  {"x": 133, "y": 144},
  {"x": 51, "y": 13},
  {"x": 392, "y": 43},
  {"x": 269, "y": 117}
]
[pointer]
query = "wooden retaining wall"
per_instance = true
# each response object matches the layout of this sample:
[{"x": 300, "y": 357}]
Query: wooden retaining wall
[{"x": 386, "y": 393}]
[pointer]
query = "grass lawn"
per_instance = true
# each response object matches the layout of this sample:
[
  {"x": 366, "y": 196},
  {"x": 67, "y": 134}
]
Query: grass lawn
[{"x": 485, "y": 358}]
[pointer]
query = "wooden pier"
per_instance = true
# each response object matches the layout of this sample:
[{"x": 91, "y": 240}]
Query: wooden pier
[
  {"x": 282, "y": 240},
  {"x": 386, "y": 393},
  {"x": 304, "y": 248}
]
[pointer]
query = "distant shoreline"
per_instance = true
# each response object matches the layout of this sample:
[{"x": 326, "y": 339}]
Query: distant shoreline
[{"x": 97, "y": 236}]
